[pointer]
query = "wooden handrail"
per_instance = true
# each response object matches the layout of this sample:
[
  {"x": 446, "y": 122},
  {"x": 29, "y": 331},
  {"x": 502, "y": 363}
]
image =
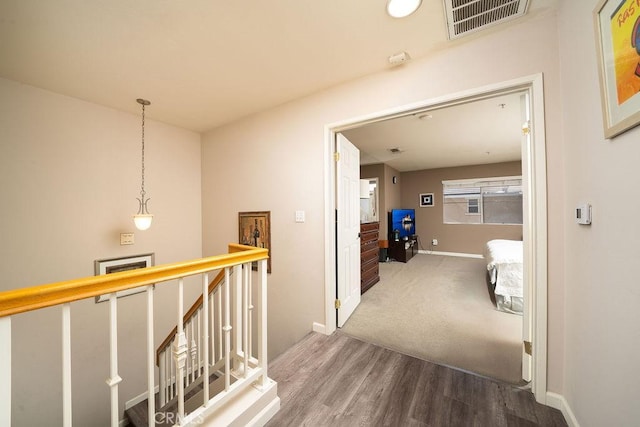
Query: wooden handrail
[
  {"x": 27, "y": 299},
  {"x": 189, "y": 314}
]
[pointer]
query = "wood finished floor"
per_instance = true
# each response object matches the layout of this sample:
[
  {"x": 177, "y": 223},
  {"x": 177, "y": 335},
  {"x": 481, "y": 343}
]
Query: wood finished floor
[{"x": 341, "y": 381}]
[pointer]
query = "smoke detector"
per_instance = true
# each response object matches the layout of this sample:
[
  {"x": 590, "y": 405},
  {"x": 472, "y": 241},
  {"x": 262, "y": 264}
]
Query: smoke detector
[
  {"x": 399, "y": 58},
  {"x": 468, "y": 16}
]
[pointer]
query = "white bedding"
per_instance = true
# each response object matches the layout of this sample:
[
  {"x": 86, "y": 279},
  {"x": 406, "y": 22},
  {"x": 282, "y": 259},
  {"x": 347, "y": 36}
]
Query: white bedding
[{"x": 504, "y": 263}]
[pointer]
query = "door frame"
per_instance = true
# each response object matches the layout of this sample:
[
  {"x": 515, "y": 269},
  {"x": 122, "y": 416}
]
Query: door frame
[{"x": 535, "y": 253}]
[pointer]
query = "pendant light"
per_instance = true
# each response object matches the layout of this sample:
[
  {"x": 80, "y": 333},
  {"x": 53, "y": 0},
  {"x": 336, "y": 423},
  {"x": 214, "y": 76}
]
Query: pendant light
[{"x": 143, "y": 218}]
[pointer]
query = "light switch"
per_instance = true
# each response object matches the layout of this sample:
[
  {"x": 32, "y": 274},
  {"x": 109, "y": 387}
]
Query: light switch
[
  {"x": 299, "y": 216},
  {"x": 126, "y": 239}
]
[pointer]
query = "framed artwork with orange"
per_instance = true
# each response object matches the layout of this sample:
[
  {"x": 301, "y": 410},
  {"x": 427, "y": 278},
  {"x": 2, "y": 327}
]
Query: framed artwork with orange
[{"x": 617, "y": 25}]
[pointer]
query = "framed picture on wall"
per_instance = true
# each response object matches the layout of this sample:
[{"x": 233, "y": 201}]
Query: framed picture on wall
[
  {"x": 254, "y": 229},
  {"x": 618, "y": 46},
  {"x": 115, "y": 265},
  {"x": 426, "y": 200}
]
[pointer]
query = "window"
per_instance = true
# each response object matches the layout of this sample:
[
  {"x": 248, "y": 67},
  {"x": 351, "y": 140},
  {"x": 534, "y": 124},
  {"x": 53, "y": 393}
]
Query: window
[
  {"x": 473, "y": 206},
  {"x": 483, "y": 201}
]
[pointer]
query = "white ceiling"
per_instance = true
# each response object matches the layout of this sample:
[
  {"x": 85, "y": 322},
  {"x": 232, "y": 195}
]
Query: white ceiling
[
  {"x": 203, "y": 63},
  {"x": 478, "y": 132}
]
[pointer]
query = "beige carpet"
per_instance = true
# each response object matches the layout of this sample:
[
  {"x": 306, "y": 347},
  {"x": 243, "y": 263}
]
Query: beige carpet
[{"x": 438, "y": 308}]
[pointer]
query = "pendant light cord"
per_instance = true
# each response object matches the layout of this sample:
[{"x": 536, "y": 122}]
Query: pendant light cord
[{"x": 142, "y": 192}]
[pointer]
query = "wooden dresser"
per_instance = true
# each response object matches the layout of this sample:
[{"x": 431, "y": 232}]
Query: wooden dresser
[{"x": 369, "y": 253}]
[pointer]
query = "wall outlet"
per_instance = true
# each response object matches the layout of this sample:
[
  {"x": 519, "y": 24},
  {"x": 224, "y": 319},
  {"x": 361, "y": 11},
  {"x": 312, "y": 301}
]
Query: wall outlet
[{"x": 434, "y": 242}]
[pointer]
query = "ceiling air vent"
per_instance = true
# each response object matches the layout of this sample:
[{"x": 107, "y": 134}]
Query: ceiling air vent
[{"x": 467, "y": 16}]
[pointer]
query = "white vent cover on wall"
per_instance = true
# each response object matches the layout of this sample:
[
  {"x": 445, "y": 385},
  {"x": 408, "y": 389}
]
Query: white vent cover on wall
[{"x": 466, "y": 16}]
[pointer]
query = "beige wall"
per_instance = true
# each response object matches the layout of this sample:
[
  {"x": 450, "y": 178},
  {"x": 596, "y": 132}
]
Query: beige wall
[
  {"x": 602, "y": 315},
  {"x": 463, "y": 238},
  {"x": 69, "y": 178},
  {"x": 275, "y": 161}
]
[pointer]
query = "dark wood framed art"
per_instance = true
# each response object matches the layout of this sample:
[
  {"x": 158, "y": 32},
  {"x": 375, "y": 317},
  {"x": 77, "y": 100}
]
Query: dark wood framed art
[{"x": 254, "y": 229}]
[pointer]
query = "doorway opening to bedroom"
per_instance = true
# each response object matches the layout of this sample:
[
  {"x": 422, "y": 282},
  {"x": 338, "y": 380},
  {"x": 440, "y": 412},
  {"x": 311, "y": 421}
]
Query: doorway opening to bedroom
[{"x": 436, "y": 243}]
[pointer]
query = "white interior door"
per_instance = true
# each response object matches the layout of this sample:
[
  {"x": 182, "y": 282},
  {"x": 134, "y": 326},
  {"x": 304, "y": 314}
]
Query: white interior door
[
  {"x": 348, "y": 228},
  {"x": 527, "y": 216}
]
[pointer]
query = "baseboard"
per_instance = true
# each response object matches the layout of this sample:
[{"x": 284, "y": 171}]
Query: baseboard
[
  {"x": 139, "y": 398},
  {"x": 266, "y": 414},
  {"x": 458, "y": 254},
  {"x": 320, "y": 328},
  {"x": 558, "y": 401}
]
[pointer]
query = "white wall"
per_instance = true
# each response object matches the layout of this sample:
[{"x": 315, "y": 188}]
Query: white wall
[
  {"x": 69, "y": 178},
  {"x": 601, "y": 282},
  {"x": 274, "y": 161}
]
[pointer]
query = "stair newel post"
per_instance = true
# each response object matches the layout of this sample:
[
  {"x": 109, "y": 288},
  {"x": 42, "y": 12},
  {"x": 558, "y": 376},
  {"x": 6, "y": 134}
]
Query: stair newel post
[
  {"x": 5, "y": 371},
  {"x": 227, "y": 331},
  {"x": 204, "y": 346},
  {"x": 150, "y": 360},
  {"x": 180, "y": 352},
  {"x": 114, "y": 378},
  {"x": 262, "y": 321},
  {"x": 66, "y": 366}
]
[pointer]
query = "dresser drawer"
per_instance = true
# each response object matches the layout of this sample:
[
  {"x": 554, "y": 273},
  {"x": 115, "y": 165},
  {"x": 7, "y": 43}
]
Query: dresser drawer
[{"x": 369, "y": 255}]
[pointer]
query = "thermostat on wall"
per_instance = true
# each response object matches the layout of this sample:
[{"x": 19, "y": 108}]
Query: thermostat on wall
[{"x": 583, "y": 214}]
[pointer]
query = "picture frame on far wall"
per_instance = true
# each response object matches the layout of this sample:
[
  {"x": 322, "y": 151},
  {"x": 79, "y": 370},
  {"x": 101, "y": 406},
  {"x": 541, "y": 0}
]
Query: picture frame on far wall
[
  {"x": 426, "y": 200},
  {"x": 617, "y": 29},
  {"x": 254, "y": 229},
  {"x": 115, "y": 265}
]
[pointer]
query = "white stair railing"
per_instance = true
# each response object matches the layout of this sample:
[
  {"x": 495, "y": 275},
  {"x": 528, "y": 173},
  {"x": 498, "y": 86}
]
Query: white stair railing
[
  {"x": 216, "y": 339},
  {"x": 203, "y": 345}
]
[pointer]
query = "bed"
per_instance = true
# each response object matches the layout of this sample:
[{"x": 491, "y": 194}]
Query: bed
[{"x": 504, "y": 266}]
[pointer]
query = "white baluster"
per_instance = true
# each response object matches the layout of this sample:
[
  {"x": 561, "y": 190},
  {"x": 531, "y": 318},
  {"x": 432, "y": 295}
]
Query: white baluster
[
  {"x": 245, "y": 317},
  {"x": 180, "y": 352},
  {"x": 219, "y": 315},
  {"x": 151, "y": 399},
  {"x": 211, "y": 326},
  {"x": 262, "y": 320},
  {"x": 237, "y": 316},
  {"x": 66, "y": 365},
  {"x": 114, "y": 379},
  {"x": 199, "y": 339},
  {"x": 187, "y": 334},
  {"x": 204, "y": 344},
  {"x": 194, "y": 347},
  {"x": 250, "y": 326},
  {"x": 170, "y": 371},
  {"x": 163, "y": 378},
  {"x": 5, "y": 371},
  {"x": 227, "y": 332}
]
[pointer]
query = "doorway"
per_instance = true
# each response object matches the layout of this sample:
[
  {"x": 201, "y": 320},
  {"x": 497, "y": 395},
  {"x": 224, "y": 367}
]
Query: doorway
[{"x": 534, "y": 227}]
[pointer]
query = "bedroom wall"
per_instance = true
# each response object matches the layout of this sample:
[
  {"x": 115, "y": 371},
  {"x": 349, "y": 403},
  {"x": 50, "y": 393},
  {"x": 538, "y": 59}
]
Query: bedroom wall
[
  {"x": 461, "y": 238},
  {"x": 275, "y": 160},
  {"x": 602, "y": 294},
  {"x": 69, "y": 178}
]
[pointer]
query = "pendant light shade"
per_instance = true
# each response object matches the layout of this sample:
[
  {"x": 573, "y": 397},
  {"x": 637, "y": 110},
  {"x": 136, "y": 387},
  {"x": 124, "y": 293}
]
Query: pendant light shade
[
  {"x": 143, "y": 218},
  {"x": 143, "y": 222}
]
